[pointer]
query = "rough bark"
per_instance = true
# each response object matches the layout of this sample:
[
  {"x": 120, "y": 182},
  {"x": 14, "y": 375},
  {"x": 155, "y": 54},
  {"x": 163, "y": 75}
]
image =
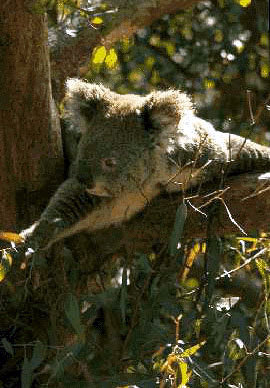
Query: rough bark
[
  {"x": 70, "y": 53},
  {"x": 30, "y": 145}
]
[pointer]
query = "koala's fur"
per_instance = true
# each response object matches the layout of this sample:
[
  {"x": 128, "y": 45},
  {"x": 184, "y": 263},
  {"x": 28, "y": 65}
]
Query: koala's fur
[{"x": 130, "y": 149}]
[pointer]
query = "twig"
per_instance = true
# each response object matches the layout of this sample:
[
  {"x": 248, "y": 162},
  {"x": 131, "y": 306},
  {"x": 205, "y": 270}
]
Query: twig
[
  {"x": 196, "y": 209},
  {"x": 252, "y": 123},
  {"x": 231, "y": 218},
  {"x": 241, "y": 363},
  {"x": 219, "y": 194},
  {"x": 250, "y": 107},
  {"x": 256, "y": 193},
  {"x": 248, "y": 261}
]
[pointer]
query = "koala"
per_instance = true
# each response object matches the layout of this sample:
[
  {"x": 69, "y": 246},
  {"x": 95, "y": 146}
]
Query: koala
[{"x": 130, "y": 149}]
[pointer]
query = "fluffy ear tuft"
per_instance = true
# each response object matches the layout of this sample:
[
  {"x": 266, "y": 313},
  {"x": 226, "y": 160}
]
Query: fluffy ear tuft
[
  {"x": 165, "y": 109},
  {"x": 84, "y": 99}
]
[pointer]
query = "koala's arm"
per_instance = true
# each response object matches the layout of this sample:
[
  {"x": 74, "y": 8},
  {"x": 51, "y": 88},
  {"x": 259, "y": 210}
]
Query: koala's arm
[{"x": 69, "y": 204}]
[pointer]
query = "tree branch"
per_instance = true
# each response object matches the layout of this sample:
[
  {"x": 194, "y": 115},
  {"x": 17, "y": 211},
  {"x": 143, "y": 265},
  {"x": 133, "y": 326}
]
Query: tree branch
[{"x": 154, "y": 225}]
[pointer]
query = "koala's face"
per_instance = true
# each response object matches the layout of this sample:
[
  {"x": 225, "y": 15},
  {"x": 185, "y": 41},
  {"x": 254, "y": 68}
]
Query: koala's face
[
  {"x": 121, "y": 135},
  {"x": 114, "y": 155}
]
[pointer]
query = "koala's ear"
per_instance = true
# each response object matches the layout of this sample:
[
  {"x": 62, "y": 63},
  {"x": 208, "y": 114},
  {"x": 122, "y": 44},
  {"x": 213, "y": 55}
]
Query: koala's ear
[
  {"x": 165, "y": 109},
  {"x": 84, "y": 99}
]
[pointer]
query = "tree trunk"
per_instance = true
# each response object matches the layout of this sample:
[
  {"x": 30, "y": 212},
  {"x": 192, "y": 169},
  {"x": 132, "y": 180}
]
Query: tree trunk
[{"x": 30, "y": 144}]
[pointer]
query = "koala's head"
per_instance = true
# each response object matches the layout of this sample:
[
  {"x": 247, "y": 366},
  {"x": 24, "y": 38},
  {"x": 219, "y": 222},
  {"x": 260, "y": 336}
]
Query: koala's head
[{"x": 121, "y": 134}]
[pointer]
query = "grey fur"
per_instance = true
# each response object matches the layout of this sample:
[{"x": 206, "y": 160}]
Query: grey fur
[{"x": 131, "y": 149}]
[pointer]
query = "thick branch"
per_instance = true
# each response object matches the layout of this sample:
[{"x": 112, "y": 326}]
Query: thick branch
[
  {"x": 135, "y": 15},
  {"x": 71, "y": 53},
  {"x": 153, "y": 227}
]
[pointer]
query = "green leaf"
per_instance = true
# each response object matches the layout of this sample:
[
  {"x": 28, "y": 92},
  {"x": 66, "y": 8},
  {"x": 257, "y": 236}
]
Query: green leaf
[
  {"x": 39, "y": 354},
  {"x": 180, "y": 218},
  {"x": 65, "y": 359},
  {"x": 29, "y": 366},
  {"x": 27, "y": 374},
  {"x": 72, "y": 311},
  {"x": 7, "y": 346}
]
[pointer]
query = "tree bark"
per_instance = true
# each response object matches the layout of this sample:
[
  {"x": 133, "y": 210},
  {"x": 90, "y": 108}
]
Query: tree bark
[
  {"x": 30, "y": 144},
  {"x": 244, "y": 207}
]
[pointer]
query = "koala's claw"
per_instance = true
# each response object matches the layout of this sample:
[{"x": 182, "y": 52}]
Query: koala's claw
[{"x": 40, "y": 235}]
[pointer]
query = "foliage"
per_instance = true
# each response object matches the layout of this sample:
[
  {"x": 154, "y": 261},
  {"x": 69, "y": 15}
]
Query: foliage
[
  {"x": 151, "y": 320},
  {"x": 218, "y": 52},
  {"x": 192, "y": 314}
]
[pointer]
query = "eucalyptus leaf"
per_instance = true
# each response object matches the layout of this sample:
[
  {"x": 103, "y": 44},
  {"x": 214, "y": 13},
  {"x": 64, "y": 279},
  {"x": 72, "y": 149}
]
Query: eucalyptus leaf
[{"x": 180, "y": 218}]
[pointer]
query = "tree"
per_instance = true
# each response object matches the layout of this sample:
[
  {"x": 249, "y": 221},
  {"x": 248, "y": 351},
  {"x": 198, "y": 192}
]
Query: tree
[
  {"x": 32, "y": 167},
  {"x": 30, "y": 132}
]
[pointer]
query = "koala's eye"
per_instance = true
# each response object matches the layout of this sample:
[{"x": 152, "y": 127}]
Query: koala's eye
[{"x": 108, "y": 164}]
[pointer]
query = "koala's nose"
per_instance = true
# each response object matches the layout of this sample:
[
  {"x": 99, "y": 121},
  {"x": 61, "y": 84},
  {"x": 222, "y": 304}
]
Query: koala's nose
[{"x": 99, "y": 190}]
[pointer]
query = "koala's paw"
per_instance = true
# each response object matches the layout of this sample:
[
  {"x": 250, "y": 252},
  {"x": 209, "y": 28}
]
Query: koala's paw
[{"x": 41, "y": 234}]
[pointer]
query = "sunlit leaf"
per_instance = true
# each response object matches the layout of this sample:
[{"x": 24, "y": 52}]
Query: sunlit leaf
[
  {"x": 185, "y": 375},
  {"x": 263, "y": 268},
  {"x": 248, "y": 239},
  {"x": 11, "y": 237},
  {"x": 209, "y": 84},
  {"x": 170, "y": 47},
  {"x": 111, "y": 59},
  {"x": 264, "y": 39},
  {"x": 99, "y": 55},
  {"x": 97, "y": 20},
  {"x": 5, "y": 264},
  {"x": 190, "y": 351},
  {"x": 244, "y": 3},
  {"x": 193, "y": 253},
  {"x": 265, "y": 70},
  {"x": 197, "y": 327},
  {"x": 191, "y": 283},
  {"x": 236, "y": 349},
  {"x": 218, "y": 36}
]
